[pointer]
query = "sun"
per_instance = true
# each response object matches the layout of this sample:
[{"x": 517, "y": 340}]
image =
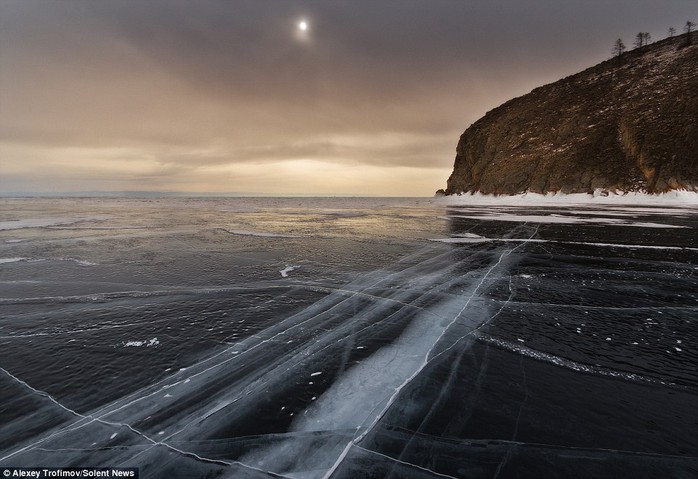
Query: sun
[{"x": 302, "y": 31}]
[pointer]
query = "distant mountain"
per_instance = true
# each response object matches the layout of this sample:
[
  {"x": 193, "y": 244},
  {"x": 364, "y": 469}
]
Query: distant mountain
[{"x": 627, "y": 124}]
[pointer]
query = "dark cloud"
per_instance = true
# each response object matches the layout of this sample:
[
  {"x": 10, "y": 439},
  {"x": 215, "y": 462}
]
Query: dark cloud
[{"x": 214, "y": 82}]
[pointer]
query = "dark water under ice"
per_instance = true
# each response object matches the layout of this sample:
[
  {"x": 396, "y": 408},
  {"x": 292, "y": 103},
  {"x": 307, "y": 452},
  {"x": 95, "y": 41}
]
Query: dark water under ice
[{"x": 349, "y": 338}]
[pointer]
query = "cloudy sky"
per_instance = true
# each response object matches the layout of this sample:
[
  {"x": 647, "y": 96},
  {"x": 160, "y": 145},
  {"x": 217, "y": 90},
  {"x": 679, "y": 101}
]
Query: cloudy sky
[{"x": 233, "y": 96}]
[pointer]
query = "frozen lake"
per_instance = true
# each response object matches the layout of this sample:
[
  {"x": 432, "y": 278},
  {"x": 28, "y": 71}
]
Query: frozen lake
[{"x": 349, "y": 338}]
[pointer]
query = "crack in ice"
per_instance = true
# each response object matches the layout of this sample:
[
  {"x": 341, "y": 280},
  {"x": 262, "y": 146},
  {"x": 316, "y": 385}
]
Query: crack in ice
[
  {"x": 92, "y": 419},
  {"x": 403, "y": 462},
  {"x": 427, "y": 360},
  {"x": 523, "y": 403}
]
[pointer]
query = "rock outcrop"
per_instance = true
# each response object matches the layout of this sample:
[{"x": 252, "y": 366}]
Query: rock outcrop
[{"x": 627, "y": 124}]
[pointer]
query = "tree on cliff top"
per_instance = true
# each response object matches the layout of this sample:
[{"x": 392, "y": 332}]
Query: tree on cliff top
[
  {"x": 641, "y": 39},
  {"x": 618, "y": 48},
  {"x": 688, "y": 29}
]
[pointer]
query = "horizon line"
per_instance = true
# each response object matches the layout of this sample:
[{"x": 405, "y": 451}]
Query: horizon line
[{"x": 184, "y": 194}]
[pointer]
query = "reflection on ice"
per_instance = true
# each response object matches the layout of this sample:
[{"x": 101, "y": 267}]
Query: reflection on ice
[
  {"x": 45, "y": 222},
  {"x": 260, "y": 234}
]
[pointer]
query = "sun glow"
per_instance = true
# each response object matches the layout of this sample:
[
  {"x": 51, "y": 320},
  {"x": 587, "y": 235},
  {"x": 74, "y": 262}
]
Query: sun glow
[{"x": 303, "y": 26}]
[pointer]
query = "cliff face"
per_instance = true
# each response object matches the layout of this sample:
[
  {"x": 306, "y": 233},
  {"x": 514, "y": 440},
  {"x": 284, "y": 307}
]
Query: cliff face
[{"x": 627, "y": 124}]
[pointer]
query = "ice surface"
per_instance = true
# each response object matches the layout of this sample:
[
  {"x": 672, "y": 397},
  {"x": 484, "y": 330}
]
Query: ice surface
[
  {"x": 482, "y": 239},
  {"x": 261, "y": 234},
  {"x": 560, "y": 219},
  {"x": 46, "y": 222},
  {"x": 498, "y": 349}
]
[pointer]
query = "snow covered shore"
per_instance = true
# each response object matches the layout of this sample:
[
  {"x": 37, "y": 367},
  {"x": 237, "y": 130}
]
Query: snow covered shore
[{"x": 674, "y": 198}]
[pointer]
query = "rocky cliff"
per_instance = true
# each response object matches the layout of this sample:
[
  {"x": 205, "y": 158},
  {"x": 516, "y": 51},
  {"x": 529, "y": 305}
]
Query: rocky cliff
[{"x": 627, "y": 124}]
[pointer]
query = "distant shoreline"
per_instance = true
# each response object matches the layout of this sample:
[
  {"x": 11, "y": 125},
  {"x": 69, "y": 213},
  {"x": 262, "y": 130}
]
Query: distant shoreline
[{"x": 171, "y": 194}]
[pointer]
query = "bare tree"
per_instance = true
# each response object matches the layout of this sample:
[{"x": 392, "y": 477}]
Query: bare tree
[
  {"x": 688, "y": 28},
  {"x": 618, "y": 48},
  {"x": 672, "y": 32},
  {"x": 641, "y": 39}
]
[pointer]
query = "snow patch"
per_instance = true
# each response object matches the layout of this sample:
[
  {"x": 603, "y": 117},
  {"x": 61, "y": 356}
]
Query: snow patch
[
  {"x": 284, "y": 272},
  {"x": 12, "y": 260},
  {"x": 78, "y": 261},
  {"x": 146, "y": 343}
]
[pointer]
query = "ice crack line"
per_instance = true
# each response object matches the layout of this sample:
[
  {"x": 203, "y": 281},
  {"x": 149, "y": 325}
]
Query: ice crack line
[
  {"x": 350, "y": 294},
  {"x": 260, "y": 383},
  {"x": 427, "y": 360},
  {"x": 108, "y": 423},
  {"x": 134, "y": 398},
  {"x": 505, "y": 254},
  {"x": 405, "y": 463},
  {"x": 360, "y": 291},
  {"x": 50, "y": 398},
  {"x": 511, "y": 294},
  {"x": 523, "y": 403}
]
